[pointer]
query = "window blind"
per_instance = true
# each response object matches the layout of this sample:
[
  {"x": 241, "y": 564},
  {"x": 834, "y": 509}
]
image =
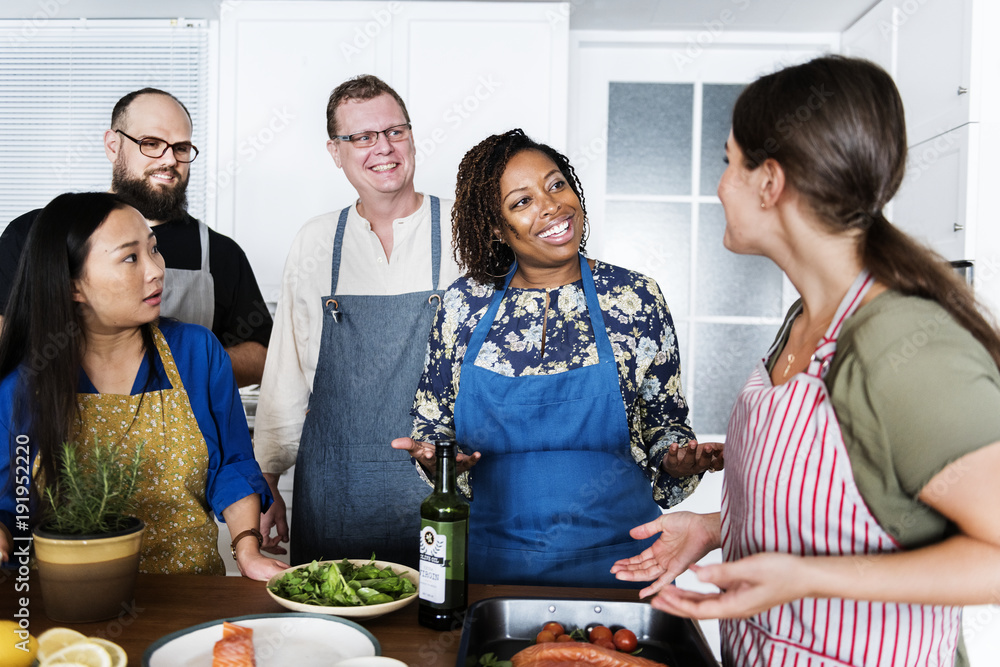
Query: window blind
[{"x": 59, "y": 82}]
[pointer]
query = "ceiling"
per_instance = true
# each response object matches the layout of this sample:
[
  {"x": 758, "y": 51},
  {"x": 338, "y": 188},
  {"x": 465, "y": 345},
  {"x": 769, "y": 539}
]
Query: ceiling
[
  {"x": 713, "y": 15},
  {"x": 742, "y": 15}
]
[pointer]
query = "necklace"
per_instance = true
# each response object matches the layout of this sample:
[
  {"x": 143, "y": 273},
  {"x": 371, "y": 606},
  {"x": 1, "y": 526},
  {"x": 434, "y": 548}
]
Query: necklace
[{"x": 790, "y": 357}]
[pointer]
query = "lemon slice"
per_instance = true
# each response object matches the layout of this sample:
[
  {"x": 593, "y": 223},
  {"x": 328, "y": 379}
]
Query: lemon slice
[
  {"x": 117, "y": 653},
  {"x": 54, "y": 639},
  {"x": 84, "y": 653}
]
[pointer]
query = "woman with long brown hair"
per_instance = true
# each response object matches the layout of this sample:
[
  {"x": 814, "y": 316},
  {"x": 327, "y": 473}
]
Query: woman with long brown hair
[
  {"x": 863, "y": 453},
  {"x": 84, "y": 358}
]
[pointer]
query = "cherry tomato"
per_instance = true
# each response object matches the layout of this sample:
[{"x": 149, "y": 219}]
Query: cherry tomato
[
  {"x": 554, "y": 628},
  {"x": 605, "y": 643},
  {"x": 625, "y": 640},
  {"x": 564, "y": 638},
  {"x": 600, "y": 632},
  {"x": 544, "y": 636}
]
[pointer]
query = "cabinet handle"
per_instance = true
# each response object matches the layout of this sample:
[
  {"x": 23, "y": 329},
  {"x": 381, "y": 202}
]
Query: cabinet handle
[
  {"x": 959, "y": 227},
  {"x": 962, "y": 90}
]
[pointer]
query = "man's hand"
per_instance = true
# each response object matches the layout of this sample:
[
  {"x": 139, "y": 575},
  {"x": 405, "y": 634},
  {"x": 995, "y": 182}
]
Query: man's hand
[{"x": 274, "y": 517}]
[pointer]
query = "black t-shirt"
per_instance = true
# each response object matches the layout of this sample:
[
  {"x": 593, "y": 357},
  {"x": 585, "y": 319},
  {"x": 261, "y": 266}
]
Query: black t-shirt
[{"x": 241, "y": 313}]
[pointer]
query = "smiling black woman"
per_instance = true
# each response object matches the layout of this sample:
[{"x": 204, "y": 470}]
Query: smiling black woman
[{"x": 560, "y": 374}]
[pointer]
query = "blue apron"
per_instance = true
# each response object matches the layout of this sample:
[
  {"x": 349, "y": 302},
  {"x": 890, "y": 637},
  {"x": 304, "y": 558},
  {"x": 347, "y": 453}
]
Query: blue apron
[
  {"x": 354, "y": 495},
  {"x": 556, "y": 490}
]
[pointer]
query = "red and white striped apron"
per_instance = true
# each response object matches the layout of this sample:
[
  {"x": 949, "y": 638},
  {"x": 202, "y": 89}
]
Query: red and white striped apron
[{"x": 789, "y": 488}]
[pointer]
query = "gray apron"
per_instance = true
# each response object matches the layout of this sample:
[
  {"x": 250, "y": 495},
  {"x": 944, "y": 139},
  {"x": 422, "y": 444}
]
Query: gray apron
[
  {"x": 355, "y": 495},
  {"x": 189, "y": 296}
]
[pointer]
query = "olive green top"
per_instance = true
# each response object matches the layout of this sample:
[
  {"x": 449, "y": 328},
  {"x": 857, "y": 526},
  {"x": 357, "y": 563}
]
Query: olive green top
[{"x": 913, "y": 392}]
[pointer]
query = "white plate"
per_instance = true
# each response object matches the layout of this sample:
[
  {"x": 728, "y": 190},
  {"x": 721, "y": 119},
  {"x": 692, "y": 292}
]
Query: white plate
[
  {"x": 279, "y": 640},
  {"x": 363, "y": 612}
]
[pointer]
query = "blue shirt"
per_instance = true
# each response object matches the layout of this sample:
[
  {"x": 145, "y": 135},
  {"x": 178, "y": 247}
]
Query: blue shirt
[{"x": 207, "y": 375}]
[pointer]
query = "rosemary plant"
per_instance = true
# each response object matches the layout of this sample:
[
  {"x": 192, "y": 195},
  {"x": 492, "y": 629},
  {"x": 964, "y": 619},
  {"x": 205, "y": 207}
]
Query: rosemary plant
[{"x": 92, "y": 495}]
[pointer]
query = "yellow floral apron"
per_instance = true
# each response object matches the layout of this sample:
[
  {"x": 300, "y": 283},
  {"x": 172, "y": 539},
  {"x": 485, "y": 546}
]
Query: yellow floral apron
[{"x": 181, "y": 535}]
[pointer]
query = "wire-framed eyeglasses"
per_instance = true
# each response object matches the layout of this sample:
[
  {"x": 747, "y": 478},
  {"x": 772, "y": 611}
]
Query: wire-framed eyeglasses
[{"x": 368, "y": 138}]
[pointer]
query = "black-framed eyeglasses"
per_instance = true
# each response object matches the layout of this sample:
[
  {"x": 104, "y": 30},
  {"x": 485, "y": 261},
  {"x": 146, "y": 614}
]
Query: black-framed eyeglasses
[
  {"x": 184, "y": 151},
  {"x": 370, "y": 137}
]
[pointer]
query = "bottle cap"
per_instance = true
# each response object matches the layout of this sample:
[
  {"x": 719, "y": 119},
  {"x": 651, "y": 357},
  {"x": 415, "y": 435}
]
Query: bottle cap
[{"x": 444, "y": 447}]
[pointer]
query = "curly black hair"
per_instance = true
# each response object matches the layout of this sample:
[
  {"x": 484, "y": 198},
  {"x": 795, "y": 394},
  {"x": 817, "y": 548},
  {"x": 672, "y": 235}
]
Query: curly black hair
[{"x": 477, "y": 211}]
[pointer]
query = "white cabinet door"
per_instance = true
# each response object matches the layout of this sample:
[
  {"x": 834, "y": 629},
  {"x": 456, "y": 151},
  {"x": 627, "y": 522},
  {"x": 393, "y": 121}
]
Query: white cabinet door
[
  {"x": 932, "y": 202},
  {"x": 465, "y": 70},
  {"x": 933, "y": 65}
]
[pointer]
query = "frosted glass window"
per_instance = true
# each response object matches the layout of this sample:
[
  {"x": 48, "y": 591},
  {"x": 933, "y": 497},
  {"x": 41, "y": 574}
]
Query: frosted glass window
[
  {"x": 653, "y": 239},
  {"x": 730, "y": 284},
  {"x": 649, "y": 138},
  {"x": 724, "y": 356},
  {"x": 716, "y": 118}
]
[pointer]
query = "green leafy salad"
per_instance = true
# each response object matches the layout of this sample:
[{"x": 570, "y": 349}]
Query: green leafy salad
[{"x": 342, "y": 584}]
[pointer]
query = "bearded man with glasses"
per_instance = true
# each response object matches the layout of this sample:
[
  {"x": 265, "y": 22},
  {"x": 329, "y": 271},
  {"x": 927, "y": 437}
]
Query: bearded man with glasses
[
  {"x": 360, "y": 290},
  {"x": 208, "y": 280}
]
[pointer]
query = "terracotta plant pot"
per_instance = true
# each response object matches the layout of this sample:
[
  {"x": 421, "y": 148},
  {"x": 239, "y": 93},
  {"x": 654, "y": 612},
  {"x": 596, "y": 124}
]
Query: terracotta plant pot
[{"x": 87, "y": 578}]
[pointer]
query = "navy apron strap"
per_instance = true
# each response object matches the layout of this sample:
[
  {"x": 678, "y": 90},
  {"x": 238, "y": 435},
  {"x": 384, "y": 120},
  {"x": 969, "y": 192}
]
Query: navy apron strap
[
  {"x": 338, "y": 244},
  {"x": 605, "y": 353},
  {"x": 435, "y": 242},
  {"x": 479, "y": 333}
]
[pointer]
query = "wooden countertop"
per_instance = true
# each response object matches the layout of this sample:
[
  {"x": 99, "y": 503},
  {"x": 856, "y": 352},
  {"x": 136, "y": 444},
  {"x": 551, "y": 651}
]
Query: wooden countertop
[{"x": 167, "y": 603}]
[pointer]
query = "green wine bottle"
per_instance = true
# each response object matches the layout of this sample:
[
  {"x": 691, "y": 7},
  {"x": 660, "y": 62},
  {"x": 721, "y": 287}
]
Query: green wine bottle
[{"x": 444, "y": 547}]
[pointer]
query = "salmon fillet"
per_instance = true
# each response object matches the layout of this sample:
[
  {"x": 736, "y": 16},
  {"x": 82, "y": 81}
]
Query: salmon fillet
[
  {"x": 235, "y": 649},
  {"x": 577, "y": 654}
]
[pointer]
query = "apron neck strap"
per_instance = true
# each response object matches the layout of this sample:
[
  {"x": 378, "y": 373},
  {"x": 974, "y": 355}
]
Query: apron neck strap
[
  {"x": 338, "y": 245},
  {"x": 604, "y": 350},
  {"x": 827, "y": 347}
]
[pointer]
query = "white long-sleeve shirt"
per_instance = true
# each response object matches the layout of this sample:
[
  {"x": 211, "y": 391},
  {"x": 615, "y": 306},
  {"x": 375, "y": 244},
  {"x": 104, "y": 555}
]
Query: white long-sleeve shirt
[{"x": 293, "y": 351}]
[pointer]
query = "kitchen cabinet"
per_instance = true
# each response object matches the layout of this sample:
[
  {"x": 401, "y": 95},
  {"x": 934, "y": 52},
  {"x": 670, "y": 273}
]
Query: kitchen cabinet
[
  {"x": 933, "y": 200},
  {"x": 927, "y": 46},
  {"x": 944, "y": 57},
  {"x": 465, "y": 70},
  {"x": 934, "y": 65}
]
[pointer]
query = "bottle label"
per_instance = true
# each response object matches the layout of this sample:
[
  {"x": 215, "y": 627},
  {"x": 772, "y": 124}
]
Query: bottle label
[{"x": 442, "y": 557}]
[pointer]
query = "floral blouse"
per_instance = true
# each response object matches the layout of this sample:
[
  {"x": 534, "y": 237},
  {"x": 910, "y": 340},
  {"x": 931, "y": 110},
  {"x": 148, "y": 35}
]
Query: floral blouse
[{"x": 642, "y": 336}]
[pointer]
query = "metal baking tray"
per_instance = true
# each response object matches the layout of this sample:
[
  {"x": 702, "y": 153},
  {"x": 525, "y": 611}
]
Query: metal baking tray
[{"x": 505, "y": 625}]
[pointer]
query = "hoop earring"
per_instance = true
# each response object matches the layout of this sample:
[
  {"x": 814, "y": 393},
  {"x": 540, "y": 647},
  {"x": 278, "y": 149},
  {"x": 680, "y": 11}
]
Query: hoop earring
[
  {"x": 502, "y": 275},
  {"x": 495, "y": 254}
]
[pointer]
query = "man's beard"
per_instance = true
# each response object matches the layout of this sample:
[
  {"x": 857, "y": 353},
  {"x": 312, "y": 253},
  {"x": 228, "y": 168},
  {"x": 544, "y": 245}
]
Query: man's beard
[{"x": 159, "y": 204}]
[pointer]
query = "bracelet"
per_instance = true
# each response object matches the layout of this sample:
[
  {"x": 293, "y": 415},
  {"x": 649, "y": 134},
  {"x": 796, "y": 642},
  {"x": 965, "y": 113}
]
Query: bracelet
[{"x": 245, "y": 533}]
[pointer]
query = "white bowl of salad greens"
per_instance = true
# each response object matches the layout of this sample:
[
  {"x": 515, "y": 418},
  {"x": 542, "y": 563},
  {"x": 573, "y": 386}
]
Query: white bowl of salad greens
[{"x": 352, "y": 588}]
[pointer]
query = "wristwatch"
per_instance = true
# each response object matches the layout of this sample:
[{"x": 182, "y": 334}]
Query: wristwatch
[{"x": 245, "y": 533}]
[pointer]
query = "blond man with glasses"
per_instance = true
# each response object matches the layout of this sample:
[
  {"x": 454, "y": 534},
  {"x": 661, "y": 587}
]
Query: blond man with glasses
[{"x": 360, "y": 290}]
